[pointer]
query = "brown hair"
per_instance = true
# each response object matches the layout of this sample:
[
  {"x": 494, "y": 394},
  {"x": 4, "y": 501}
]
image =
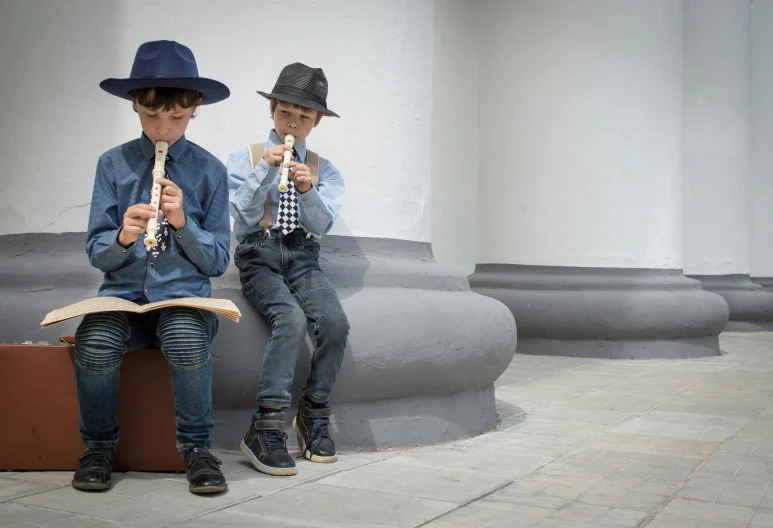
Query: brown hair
[
  {"x": 166, "y": 99},
  {"x": 274, "y": 102}
]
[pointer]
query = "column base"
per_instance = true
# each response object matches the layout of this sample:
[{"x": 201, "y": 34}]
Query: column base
[
  {"x": 383, "y": 424},
  {"x": 622, "y": 349},
  {"x": 765, "y": 282},
  {"x": 751, "y": 306},
  {"x": 606, "y": 313},
  {"x": 421, "y": 361}
]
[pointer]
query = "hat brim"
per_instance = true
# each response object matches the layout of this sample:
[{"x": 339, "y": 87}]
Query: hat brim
[
  {"x": 299, "y": 101},
  {"x": 212, "y": 91}
]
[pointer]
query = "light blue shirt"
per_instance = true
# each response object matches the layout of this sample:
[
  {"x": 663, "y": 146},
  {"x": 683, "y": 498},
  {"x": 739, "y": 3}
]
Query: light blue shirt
[
  {"x": 195, "y": 253},
  {"x": 317, "y": 208}
]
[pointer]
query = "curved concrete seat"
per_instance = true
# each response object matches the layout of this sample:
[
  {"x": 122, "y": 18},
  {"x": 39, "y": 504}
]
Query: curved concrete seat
[
  {"x": 750, "y": 303},
  {"x": 423, "y": 352},
  {"x": 605, "y": 312}
]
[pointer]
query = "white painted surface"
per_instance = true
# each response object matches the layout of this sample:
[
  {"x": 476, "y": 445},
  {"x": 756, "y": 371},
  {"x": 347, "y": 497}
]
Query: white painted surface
[
  {"x": 454, "y": 134},
  {"x": 716, "y": 137},
  {"x": 580, "y": 133},
  {"x": 56, "y": 120},
  {"x": 761, "y": 184}
]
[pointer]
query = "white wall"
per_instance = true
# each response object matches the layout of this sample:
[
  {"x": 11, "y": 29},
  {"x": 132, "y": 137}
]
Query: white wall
[
  {"x": 716, "y": 137},
  {"x": 56, "y": 120},
  {"x": 455, "y": 134},
  {"x": 580, "y": 133},
  {"x": 761, "y": 183}
]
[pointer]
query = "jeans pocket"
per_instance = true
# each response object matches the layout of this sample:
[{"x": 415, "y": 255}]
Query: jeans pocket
[
  {"x": 311, "y": 248},
  {"x": 243, "y": 251}
]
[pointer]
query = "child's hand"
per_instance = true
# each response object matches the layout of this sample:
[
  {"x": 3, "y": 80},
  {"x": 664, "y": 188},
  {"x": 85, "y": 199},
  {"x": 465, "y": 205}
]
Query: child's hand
[
  {"x": 300, "y": 174},
  {"x": 172, "y": 203},
  {"x": 275, "y": 155},
  {"x": 135, "y": 222}
]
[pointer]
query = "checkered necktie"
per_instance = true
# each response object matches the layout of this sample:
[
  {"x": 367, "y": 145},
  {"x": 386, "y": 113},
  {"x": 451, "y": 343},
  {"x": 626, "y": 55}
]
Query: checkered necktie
[{"x": 287, "y": 215}]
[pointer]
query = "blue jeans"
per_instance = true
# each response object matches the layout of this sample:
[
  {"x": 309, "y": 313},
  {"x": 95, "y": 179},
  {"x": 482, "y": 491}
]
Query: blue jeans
[
  {"x": 281, "y": 276},
  {"x": 183, "y": 334}
]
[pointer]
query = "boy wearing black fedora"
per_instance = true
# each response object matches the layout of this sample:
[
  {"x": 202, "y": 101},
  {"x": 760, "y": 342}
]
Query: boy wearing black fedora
[
  {"x": 278, "y": 261},
  {"x": 192, "y": 245}
]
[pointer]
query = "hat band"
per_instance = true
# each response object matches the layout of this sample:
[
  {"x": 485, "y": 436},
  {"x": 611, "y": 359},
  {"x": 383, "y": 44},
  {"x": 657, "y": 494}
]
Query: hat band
[{"x": 280, "y": 89}]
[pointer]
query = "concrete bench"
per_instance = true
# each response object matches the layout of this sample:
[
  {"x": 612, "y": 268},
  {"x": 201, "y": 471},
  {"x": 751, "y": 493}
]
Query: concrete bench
[{"x": 420, "y": 365}]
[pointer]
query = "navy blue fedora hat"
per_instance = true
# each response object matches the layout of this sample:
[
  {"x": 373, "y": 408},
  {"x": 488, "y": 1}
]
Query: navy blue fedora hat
[{"x": 166, "y": 64}]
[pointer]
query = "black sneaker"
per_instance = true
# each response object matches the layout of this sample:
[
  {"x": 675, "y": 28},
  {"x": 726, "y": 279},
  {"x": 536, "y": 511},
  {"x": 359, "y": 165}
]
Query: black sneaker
[
  {"x": 95, "y": 469},
  {"x": 311, "y": 428},
  {"x": 202, "y": 470},
  {"x": 265, "y": 444}
]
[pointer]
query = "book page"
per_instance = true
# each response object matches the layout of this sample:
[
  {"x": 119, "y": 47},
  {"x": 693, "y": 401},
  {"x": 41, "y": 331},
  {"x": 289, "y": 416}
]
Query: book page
[
  {"x": 94, "y": 305},
  {"x": 223, "y": 307}
]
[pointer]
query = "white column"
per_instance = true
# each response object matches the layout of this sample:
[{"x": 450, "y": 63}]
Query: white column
[
  {"x": 579, "y": 195},
  {"x": 455, "y": 160},
  {"x": 716, "y": 137},
  {"x": 761, "y": 183},
  {"x": 717, "y": 61},
  {"x": 580, "y": 128}
]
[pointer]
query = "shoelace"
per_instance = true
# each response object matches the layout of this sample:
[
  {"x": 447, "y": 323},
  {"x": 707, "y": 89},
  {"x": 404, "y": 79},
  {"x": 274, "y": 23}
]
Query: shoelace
[
  {"x": 319, "y": 428},
  {"x": 275, "y": 439}
]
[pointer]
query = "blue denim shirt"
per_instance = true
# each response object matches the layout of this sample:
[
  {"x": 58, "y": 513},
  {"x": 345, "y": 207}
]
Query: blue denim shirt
[
  {"x": 192, "y": 255},
  {"x": 317, "y": 208}
]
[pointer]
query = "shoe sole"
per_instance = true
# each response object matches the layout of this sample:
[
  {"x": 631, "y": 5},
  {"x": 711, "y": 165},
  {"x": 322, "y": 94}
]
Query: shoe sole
[
  {"x": 207, "y": 489},
  {"x": 306, "y": 453},
  {"x": 277, "y": 472},
  {"x": 90, "y": 486}
]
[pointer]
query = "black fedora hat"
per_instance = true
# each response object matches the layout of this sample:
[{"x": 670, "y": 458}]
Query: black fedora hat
[
  {"x": 302, "y": 85},
  {"x": 166, "y": 64}
]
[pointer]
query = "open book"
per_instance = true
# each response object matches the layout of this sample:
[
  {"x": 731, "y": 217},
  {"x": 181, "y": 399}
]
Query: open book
[{"x": 222, "y": 307}]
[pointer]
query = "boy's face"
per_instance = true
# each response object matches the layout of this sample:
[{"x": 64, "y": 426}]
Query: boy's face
[
  {"x": 159, "y": 125},
  {"x": 291, "y": 120}
]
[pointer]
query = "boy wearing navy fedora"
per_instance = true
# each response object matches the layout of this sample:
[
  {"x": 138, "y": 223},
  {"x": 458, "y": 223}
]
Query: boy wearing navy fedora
[
  {"x": 278, "y": 261},
  {"x": 193, "y": 245}
]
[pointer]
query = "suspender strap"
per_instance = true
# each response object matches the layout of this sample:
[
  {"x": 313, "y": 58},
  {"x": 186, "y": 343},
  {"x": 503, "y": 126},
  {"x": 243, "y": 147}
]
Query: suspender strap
[
  {"x": 312, "y": 161},
  {"x": 256, "y": 152}
]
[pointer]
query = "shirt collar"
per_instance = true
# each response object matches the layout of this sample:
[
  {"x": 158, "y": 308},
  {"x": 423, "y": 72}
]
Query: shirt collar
[
  {"x": 175, "y": 151},
  {"x": 300, "y": 146}
]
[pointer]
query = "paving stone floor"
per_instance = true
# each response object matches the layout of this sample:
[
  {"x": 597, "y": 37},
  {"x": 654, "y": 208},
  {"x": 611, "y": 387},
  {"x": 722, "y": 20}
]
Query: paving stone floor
[{"x": 582, "y": 443}]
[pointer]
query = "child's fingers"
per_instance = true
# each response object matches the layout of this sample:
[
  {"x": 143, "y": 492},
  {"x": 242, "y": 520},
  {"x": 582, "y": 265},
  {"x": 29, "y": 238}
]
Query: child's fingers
[
  {"x": 301, "y": 180},
  {"x": 134, "y": 225},
  {"x": 168, "y": 184},
  {"x": 138, "y": 215}
]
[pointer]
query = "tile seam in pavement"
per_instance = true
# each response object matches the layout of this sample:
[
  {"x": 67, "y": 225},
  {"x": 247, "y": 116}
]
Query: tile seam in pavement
[
  {"x": 466, "y": 503},
  {"x": 272, "y": 492},
  {"x": 703, "y": 464}
]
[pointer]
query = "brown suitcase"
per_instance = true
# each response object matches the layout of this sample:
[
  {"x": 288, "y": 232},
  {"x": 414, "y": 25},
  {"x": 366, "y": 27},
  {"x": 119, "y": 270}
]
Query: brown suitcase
[{"x": 39, "y": 412}]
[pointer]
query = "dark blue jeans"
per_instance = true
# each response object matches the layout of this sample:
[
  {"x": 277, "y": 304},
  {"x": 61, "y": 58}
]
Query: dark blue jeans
[
  {"x": 183, "y": 334},
  {"x": 281, "y": 276}
]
